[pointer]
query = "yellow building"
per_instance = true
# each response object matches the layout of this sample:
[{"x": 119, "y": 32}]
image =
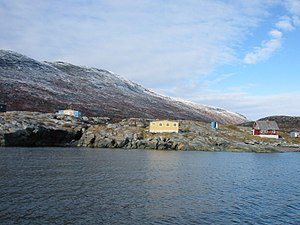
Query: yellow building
[
  {"x": 70, "y": 112},
  {"x": 164, "y": 126}
]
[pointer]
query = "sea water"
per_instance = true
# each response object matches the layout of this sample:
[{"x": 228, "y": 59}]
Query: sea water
[{"x": 104, "y": 186}]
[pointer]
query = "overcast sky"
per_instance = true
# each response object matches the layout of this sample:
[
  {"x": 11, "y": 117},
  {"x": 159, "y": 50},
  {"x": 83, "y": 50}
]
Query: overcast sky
[{"x": 241, "y": 55}]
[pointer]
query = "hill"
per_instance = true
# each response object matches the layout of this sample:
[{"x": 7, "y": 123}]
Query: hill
[
  {"x": 29, "y": 85},
  {"x": 285, "y": 123}
]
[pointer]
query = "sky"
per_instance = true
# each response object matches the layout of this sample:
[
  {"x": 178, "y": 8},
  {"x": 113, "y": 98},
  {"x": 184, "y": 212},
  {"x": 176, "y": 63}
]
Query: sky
[{"x": 240, "y": 55}]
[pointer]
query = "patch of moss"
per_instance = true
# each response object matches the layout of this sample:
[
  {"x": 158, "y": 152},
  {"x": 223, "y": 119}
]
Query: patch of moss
[{"x": 233, "y": 127}]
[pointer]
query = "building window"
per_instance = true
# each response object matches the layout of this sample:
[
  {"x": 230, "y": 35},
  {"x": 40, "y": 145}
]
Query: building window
[
  {"x": 153, "y": 123},
  {"x": 175, "y": 125},
  {"x": 160, "y": 124},
  {"x": 167, "y": 124}
]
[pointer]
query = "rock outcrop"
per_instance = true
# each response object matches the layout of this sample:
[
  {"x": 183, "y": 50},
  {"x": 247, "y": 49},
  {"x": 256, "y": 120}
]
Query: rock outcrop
[
  {"x": 42, "y": 129},
  {"x": 193, "y": 135},
  {"x": 38, "y": 129}
]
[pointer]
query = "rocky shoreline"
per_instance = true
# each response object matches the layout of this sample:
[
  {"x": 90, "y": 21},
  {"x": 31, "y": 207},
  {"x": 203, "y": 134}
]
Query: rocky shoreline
[{"x": 33, "y": 129}]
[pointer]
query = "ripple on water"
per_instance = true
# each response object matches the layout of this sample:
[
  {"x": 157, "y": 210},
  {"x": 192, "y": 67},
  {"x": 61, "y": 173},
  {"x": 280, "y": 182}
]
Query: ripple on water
[{"x": 92, "y": 186}]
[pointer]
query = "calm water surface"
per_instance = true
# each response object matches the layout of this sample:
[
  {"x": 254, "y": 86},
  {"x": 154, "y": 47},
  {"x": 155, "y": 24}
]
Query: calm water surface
[{"x": 101, "y": 186}]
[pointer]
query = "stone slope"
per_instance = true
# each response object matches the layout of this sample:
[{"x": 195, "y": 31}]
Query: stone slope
[
  {"x": 29, "y": 85},
  {"x": 46, "y": 129},
  {"x": 21, "y": 128}
]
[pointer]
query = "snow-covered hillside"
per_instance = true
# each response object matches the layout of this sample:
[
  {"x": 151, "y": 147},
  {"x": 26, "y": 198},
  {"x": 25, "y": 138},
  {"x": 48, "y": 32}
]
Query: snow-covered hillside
[{"x": 26, "y": 84}]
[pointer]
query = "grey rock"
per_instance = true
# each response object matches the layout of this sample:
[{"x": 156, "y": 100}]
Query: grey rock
[{"x": 38, "y": 129}]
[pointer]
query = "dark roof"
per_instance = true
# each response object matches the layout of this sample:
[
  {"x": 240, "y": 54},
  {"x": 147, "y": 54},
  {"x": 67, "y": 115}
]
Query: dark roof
[{"x": 266, "y": 125}]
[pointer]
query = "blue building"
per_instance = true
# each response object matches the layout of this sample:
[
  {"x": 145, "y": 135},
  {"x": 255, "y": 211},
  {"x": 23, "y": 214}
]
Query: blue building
[{"x": 214, "y": 125}]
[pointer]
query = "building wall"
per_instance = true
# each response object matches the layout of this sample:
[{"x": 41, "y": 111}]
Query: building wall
[
  {"x": 164, "y": 126},
  {"x": 214, "y": 125},
  {"x": 266, "y": 132},
  {"x": 295, "y": 134},
  {"x": 77, "y": 113},
  {"x": 69, "y": 112},
  {"x": 269, "y": 136},
  {"x": 256, "y": 132}
]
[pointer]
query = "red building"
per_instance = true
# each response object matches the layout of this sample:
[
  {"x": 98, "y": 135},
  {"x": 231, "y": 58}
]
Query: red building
[{"x": 268, "y": 129}]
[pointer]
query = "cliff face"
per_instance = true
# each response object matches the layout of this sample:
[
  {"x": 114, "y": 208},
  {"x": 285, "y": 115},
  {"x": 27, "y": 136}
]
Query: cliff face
[
  {"x": 29, "y": 85},
  {"x": 40, "y": 129}
]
